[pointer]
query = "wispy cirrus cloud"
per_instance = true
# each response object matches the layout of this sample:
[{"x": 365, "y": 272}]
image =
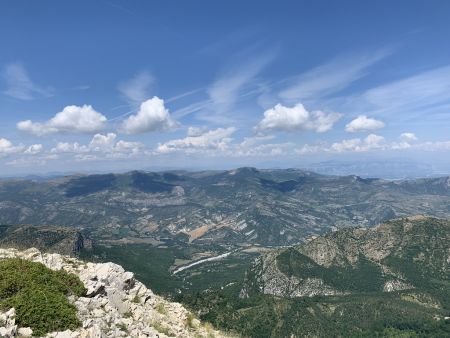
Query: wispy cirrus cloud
[
  {"x": 19, "y": 84},
  {"x": 225, "y": 90},
  {"x": 138, "y": 88},
  {"x": 331, "y": 77},
  {"x": 412, "y": 94}
]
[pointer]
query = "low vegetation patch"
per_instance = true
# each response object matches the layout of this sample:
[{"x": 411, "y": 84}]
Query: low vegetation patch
[
  {"x": 161, "y": 309},
  {"x": 39, "y": 295}
]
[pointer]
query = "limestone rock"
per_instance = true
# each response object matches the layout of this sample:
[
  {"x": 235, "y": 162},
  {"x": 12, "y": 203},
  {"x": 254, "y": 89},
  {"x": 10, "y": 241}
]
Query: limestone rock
[{"x": 116, "y": 304}]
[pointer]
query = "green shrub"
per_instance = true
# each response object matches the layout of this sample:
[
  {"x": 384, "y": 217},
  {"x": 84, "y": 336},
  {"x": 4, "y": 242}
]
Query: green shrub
[
  {"x": 161, "y": 309},
  {"x": 39, "y": 295}
]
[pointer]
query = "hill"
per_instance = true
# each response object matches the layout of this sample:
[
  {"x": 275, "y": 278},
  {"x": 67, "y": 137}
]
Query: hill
[{"x": 389, "y": 281}]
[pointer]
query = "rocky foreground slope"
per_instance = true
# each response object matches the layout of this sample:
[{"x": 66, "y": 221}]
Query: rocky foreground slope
[{"x": 115, "y": 304}]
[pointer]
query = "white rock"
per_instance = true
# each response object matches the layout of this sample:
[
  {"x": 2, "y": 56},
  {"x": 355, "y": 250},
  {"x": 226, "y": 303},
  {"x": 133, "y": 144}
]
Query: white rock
[
  {"x": 25, "y": 332},
  {"x": 116, "y": 304}
]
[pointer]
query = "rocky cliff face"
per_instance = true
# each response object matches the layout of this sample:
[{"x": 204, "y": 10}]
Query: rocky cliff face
[
  {"x": 115, "y": 305},
  {"x": 397, "y": 255}
]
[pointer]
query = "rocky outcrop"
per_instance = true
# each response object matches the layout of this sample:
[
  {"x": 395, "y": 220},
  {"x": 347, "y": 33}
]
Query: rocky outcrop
[
  {"x": 393, "y": 256},
  {"x": 115, "y": 305},
  {"x": 268, "y": 279}
]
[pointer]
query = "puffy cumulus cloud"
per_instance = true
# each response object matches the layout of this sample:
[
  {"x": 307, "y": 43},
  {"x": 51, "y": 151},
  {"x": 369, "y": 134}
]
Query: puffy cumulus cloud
[
  {"x": 371, "y": 142},
  {"x": 408, "y": 137},
  {"x": 7, "y": 147},
  {"x": 297, "y": 118},
  {"x": 72, "y": 119},
  {"x": 66, "y": 147},
  {"x": 363, "y": 123},
  {"x": 138, "y": 88},
  {"x": 34, "y": 149},
  {"x": 101, "y": 146},
  {"x": 152, "y": 116},
  {"x": 102, "y": 142},
  {"x": 218, "y": 142},
  {"x": 217, "y": 139}
]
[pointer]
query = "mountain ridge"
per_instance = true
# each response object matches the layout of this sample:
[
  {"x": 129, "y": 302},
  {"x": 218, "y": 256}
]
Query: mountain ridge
[
  {"x": 392, "y": 280},
  {"x": 244, "y": 206},
  {"x": 358, "y": 253}
]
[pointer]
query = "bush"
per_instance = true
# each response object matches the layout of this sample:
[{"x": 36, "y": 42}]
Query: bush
[{"x": 39, "y": 295}]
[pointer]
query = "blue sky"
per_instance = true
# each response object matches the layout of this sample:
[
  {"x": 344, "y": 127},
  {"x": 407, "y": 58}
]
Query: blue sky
[{"x": 116, "y": 85}]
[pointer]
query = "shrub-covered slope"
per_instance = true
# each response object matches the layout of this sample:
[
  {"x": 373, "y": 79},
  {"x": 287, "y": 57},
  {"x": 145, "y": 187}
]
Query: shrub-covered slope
[
  {"x": 39, "y": 295},
  {"x": 389, "y": 281},
  {"x": 397, "y": 255}
]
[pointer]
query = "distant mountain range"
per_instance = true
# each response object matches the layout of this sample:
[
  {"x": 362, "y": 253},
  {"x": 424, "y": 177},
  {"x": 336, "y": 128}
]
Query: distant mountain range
[
  {"x": 228, "y": 209},
  {"x": 380, "y": 169}
]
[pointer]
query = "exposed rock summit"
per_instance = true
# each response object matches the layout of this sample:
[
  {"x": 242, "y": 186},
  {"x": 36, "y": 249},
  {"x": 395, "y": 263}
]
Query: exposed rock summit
[{"x": 115, "y": 305}]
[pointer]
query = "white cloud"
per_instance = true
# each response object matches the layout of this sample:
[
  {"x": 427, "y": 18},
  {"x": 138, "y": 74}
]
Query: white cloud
[
  {"x": 308, "y": 149},
  {"x": 252, "y": 147},
  {"x": 371, "y": 142},
  {"x": 20, "y": 85},
  {"x": 219, "y": 142},
  {"x": 66, "y": 147},
  {"x": 363, "y": 123},
  {"x": 196, "y": 131},
  {"x": 34, "y": 149},
  {"x": 102, "y": 142},
  {"x": 217, "y": 139},
  {"x": 408, "y": 137},
  {"x": 433, "y": 146},
  {"x": 331, "y": 77},
  {"x": 152, "y": 116},
  {"x": 72, "y": 119},
  {"x": 101, "y": 146},
  {"x": 7, "y": 147},
  {"x": 138, "y": 88},
  {"x": 297, "y": 118}
]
